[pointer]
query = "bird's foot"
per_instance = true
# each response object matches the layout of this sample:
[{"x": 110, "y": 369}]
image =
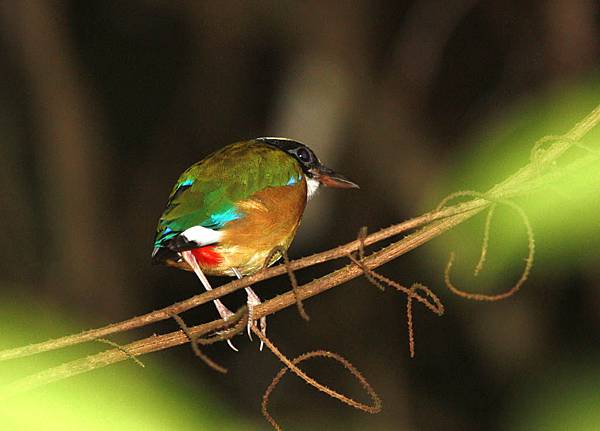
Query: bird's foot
[
  {"x": 253, "y": 301},
  {"x": 225, "y": 314}
]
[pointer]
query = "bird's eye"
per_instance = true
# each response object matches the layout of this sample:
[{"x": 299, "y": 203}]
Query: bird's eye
[{"x": 304, "y": 155}]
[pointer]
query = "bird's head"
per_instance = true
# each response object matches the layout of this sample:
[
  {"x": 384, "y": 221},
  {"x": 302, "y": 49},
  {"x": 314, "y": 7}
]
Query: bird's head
[{"x": 316, "y": 173}]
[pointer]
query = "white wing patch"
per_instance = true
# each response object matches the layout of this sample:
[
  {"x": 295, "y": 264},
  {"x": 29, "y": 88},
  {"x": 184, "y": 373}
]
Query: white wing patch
[{"x": 202, "y": 235}]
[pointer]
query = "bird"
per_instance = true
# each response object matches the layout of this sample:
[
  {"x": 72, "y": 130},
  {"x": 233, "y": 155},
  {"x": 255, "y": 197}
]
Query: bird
[{"x": 234, "y": 212}]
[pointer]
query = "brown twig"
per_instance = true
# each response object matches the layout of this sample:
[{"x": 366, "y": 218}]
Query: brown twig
[
  {"x": 122, "y": 349},
  {"x": 486, "y": 240},
  {"x": 437, "y": 307},
  {"x": 362, "y": 234},
  {"x": 293, "y": 281},
  {"x": 524, "y": 274},
  {"x": 238, "y": 322},
  {"x": 292, "y": 365},
  {"x": 194, "y": 343},
  {"x": 411, "y": 293}
]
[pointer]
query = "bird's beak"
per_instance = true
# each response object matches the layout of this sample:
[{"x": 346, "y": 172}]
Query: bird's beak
[{"x": 329, "y": 178}]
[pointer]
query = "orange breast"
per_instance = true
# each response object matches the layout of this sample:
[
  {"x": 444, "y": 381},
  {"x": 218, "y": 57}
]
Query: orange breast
[{"x": 271, "y": 218}]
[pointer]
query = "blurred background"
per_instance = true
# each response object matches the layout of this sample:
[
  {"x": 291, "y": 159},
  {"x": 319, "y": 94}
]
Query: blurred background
[{"x": 104, "y": 103}]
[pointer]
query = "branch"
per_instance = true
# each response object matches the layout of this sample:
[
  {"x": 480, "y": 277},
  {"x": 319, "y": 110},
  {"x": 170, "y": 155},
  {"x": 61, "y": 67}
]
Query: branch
[
  {"x": 197, "y": 300},
  {"x": 160, "y": 342},
  {"x": 538, "y": 173}
]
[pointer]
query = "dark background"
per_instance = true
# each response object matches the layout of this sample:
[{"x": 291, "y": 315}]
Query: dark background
[{"x": 104, "y": 103}]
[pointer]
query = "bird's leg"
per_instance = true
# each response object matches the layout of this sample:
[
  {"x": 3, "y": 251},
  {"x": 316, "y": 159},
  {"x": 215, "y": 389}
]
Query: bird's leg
[
  {"x": 224, "y": 312},
  {"x": 252, "y": 301}
]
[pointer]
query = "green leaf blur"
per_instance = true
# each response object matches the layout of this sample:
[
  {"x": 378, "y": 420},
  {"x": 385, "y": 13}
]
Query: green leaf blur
[
  {"x": 563, "y": 215},
  {"x": 120, "y": 397}
]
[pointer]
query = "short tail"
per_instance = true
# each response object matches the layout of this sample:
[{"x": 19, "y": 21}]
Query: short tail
[{"x": 160, "y": 255}]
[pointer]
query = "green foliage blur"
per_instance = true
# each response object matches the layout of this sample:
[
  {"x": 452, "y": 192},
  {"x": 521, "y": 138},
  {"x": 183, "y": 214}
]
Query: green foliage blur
[
  {"x": 121, "y": 397},
  {"x": 564, "y": 214}
]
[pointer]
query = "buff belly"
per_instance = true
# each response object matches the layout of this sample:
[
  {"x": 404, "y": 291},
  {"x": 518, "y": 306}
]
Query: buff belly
[{"x": 270, "y": 220}]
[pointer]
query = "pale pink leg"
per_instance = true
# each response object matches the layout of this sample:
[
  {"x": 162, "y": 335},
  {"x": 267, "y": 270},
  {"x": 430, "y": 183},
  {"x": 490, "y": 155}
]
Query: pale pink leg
[
  {"x": 224, "y": 312},
  {"x": 252, "y": 301}
]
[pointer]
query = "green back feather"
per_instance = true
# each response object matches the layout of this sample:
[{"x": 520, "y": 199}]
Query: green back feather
[{"x": 206, "y": 193}]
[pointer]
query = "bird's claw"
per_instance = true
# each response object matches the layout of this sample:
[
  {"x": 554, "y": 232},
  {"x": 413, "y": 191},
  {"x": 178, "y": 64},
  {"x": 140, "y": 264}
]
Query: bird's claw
[
  {"x": 253, "y": 301},
  {"x": 225, "y": 314}
]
